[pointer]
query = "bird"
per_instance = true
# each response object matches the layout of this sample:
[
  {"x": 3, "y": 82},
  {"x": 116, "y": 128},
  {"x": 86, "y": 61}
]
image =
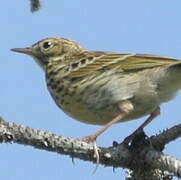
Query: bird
[{"x": 104, "y": 88}]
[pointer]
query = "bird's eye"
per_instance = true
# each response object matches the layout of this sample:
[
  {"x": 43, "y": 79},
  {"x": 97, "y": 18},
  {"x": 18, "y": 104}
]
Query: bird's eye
[{"x": 47, "y": 45}]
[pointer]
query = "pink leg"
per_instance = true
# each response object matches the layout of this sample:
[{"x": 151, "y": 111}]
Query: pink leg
[
  {"x": 152, "y": 116},
  {"x": 125, "y": 108},
  {"x": 92, "y": 137}
]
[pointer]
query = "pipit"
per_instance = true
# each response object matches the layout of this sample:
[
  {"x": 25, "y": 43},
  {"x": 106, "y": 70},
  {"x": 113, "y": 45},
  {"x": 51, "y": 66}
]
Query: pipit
[{"x": 104, "y": 88}]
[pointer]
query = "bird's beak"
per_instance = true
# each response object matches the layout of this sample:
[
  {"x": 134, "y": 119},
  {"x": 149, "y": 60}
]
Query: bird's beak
[{"x": 23, "y": 50}]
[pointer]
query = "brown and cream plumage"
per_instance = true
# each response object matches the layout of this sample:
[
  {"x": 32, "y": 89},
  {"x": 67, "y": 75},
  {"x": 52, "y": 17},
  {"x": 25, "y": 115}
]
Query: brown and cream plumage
[{"x": 103, "y": 87}]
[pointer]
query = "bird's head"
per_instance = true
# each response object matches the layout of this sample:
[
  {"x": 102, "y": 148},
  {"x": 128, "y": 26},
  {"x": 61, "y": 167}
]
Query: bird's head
[{"x": 51, "y": 49}]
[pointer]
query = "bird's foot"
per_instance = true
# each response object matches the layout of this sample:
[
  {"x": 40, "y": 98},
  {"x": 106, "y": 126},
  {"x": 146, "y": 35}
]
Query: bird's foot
[
  {"x": 89, "y": 139},
  {"x": 133, "y": 137},
  {"x": 92, "y": 139}
]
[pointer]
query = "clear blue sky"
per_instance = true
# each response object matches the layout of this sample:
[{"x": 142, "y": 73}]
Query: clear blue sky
[{"x": 152, "y": 27}]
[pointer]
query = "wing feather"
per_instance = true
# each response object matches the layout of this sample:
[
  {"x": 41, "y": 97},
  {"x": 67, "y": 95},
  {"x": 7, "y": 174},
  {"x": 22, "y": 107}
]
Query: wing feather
[{"x": 96, "y": 62}]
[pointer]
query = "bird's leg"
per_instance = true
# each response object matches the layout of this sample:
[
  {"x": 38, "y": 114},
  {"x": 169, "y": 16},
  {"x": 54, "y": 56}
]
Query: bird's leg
[
  {"x": 125, "y": 108},
  {"x": 92, "y": 138},
  {"x": 152, "y": 116}
]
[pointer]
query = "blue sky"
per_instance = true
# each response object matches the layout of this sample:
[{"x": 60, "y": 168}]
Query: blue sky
[{"x": 151, "y": 27}]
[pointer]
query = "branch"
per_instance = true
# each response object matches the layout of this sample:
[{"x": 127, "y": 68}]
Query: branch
[
  {"x": 166, "y": 136},
  {"x": 10, "y": 132},
  {"x": 142, "y": 156}
]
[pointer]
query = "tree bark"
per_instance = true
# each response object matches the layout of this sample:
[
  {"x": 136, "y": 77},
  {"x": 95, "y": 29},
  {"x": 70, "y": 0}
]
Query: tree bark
[{"x": 144, "y": 157}]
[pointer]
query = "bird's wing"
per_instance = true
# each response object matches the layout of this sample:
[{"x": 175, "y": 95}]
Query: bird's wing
[{"x": 97, "y": 62}]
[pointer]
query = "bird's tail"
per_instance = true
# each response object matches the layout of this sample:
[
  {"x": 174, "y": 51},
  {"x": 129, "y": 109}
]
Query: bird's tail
[
  {"x": 174, "y": 73},
  {"x": 176, "y": 66},
  {"x": 175, "y": 70}
]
